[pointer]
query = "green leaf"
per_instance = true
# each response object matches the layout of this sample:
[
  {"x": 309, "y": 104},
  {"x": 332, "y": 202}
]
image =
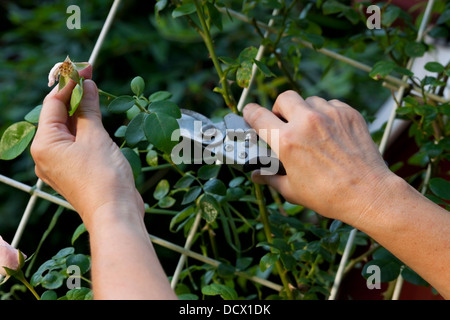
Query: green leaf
[
  {"x": 121, "y": 104},
  {"x": 78, "y": 232},
  {"x": 63, "y": 253},
  {"x": 268, "y": 260},
  {"x": 412, "y": 277},
  {"x": 209, "y": 171},
  {"x": 244, "y": 74},
  {"x": 184, "y": 9},
  {"x": 332, "y": 6},
  {"x": 52, "y": 280},
  {"x": 79, "y": 294},
  {"x": 381, "y": 69},
  {"x": 180, "y": 216},
  {"x": 184, "y": 182},
  {"x": 191, "y": 195},
  {"x": 236, "y": 181},
  {"x": 62, "y": 82},
  {"x": 152, "y": 158},
  {"x": 166, "y": 202},
  {"x": 75, "y": 98},
  {"x": 227, "y": 293},
  {"x": 160, "y": 96},
  {"x": 161, "y": 190},
  {"x": 135, "y": 130},
  {"x": 15, "y": 139},
  {"x": 215, "y": 186},
  {"x": 389, "y": 269},
  {"x": 263, "y": 68},
  {"x": 120, "y": 132},
  {"x": 248, "y": 55},
  {"x": 216, "y": 16},
  {"x": 415, "y": 49},
  {"x": 158, "y": 128},
  {"x": 49, "y": 295},
  {"x": 80, "y": 260},
  {"x": 434, "y": 67},
  {"x": 166, "y": 107},
  {"x": 440, "y": 187},
  {"x": 137, "y": 85},
  {"x": 33, "y": 115},
  {"x": 209, "y": 207},
  {"x": 134, "y": 160},
  {"x": 390, "y": 15}
]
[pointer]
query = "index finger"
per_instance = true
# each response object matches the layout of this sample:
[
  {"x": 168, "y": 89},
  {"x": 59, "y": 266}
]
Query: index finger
[{"x": 261, "y": 118}]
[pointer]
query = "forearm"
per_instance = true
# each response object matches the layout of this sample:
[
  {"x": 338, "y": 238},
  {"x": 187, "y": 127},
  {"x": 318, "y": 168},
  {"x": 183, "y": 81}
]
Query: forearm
[
  {"x": 124, "y": 263},
  {"x": 414, "y": 229}
]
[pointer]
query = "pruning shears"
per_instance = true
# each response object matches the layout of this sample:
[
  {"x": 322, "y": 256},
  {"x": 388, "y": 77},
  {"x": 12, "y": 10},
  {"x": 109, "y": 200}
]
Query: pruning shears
[{"x": 231, "y": 141}]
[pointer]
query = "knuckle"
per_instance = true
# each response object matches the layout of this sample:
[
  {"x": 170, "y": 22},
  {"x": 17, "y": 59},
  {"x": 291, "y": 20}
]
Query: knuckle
[
  {"x": 314, "y": 119},
  {"x": 286, "y": 95},
  {"x": 256, "y": 114},
  {"x": 314, "y": 100}
]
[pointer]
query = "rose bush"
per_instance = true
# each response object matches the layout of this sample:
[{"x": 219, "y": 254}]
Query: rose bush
[{"x": 201, "y": 58}]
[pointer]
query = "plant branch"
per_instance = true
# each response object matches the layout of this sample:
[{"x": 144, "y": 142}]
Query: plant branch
[
  {"x": 206, "y": 35},
  {"x": 265, "y": 220}
]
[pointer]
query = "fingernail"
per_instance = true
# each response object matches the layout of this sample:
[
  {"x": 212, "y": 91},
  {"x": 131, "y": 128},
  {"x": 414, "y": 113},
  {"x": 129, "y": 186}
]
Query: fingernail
[{"x": 90, "y": 89}]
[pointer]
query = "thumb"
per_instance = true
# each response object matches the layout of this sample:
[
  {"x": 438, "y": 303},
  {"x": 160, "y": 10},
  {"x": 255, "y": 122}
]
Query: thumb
[{"x": 88, "y": 112}]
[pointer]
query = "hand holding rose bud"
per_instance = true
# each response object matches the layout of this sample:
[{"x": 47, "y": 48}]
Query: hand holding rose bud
[
  {"x": 11, "y": 263},
  {"x": 64, "y": 71}
]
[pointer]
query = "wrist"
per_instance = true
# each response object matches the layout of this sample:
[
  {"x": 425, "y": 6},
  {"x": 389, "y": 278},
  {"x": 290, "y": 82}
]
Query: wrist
[
  {"x": 113, "y": 213},
  {"x": 378, "y": 200}
]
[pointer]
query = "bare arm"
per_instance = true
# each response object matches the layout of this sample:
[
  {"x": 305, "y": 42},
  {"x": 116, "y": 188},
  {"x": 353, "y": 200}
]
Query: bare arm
[
  {"x": 78, "y": 159},
  {"x": 334, "y": 168}
]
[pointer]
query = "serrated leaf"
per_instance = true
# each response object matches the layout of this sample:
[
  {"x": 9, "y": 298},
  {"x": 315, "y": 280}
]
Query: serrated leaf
[
  {"x": 381, "y": 69},
  {"x": 15, "y": 139}
]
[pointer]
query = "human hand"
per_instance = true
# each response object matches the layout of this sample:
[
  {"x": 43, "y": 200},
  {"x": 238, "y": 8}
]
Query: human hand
[
  {"x": 76, "y": 156},
  {"x": 331, "y": 161}
]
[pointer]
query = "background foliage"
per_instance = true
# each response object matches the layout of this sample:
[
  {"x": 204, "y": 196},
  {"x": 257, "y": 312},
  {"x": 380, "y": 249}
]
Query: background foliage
[{"x": 161, "y": 45}]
